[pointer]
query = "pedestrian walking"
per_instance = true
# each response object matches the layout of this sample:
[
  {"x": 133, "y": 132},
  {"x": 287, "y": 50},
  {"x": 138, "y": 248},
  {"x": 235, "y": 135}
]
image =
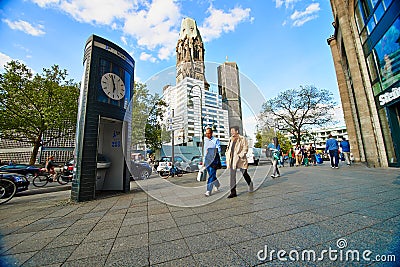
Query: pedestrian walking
[
  {"x": 275, "y": 148},
  {"x": 212, "y": 151},
  {"x": 236, "y": 159},
  {"x": 297, "y": 152},
  {"x": 312, "y": 152},
  {"x": 333, "y": 148},
  {"x": 345, "y": 145},
  {"x": 291, "y": 156}
]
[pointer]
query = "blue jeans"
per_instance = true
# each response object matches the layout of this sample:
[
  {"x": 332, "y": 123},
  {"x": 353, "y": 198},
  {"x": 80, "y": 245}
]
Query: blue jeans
[
  {"x": 334, "y": 154},
  {"x": 212, "y": 178}
]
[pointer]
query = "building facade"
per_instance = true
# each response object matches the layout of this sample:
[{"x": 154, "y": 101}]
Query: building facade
[
  {"x": 229, "y": 89},
  {"x": 206, "y": 112},
  {"x": 365, "y": 48},
  {"x": 318, "y": 136}
]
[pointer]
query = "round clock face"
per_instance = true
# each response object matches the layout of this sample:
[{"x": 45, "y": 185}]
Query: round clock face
[{"x": 113, "y": 86}]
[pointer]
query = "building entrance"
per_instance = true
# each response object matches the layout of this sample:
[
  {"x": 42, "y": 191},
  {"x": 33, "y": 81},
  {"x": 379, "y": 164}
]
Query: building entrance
[{"x": 394, "y": 120}]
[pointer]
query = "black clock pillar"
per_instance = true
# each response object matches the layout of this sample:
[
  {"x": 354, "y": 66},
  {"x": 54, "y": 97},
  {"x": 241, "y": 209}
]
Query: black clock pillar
[{"x": 102, "y": 135}]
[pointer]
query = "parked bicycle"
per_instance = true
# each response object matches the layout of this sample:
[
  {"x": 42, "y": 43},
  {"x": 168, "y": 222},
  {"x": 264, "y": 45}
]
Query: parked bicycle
[
  {"x": 174, "y": 171},
  {"x": 44, "y": 178},
  {"x": 7, "y": 190}
]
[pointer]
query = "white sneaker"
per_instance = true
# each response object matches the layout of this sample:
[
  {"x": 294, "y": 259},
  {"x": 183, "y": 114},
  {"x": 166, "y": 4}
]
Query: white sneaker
[
  {"x": 278, "y": 175},
  {"x": 336, "y": 167},
  {"x": 332, "y": 167},
  {"x": 273, "y": 176},
  {"x": 207, "y": 194},
  {"x": 216, "y": 189},
  {"x": 251, "y": 187}
]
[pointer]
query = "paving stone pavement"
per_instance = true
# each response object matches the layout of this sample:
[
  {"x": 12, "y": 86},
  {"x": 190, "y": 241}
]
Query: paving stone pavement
[{"x": 334, "y": 213}]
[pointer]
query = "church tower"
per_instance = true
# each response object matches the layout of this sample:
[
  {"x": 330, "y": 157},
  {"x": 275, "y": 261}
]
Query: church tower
[{"x": 190, "y": 53}]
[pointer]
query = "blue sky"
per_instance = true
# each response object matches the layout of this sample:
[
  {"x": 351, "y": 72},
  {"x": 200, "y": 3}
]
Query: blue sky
[{"x": 277, "y": 44}]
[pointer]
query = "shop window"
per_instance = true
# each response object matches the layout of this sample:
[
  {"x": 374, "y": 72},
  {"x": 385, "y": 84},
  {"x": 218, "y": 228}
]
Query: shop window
[
  {"x": 373, "y": 73},
  {"x": 358, "y": 14},
  {"x": 371, "y": 25},
  {"x": 376, "y": 88},
  {"x": 387, "y": 3},
  {"x": 388, "y": 56},
  {"x": 379, "y": 13}
]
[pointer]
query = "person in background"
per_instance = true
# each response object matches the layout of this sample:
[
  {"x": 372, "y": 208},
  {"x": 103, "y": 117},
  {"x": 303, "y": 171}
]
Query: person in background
[
  {"x": 291, "y": 156},
  {"x": 345, "y": 145},
  {"x": 50, "y": 166},
  {"x": 311, "y": 153},
  {"x": 236, "y": 159},
  {"x": 212, "y": 147},
  {"x": 275, "y": 148},
  {"x": 333, "y": 148},
  {"x": 297, "y": 152}
]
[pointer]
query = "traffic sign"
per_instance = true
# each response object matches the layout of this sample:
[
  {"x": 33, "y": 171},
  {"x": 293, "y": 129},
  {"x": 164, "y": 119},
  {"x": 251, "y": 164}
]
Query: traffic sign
[
  {"x": 178, "y": 119},
  {"x": 173, "y": 127}
]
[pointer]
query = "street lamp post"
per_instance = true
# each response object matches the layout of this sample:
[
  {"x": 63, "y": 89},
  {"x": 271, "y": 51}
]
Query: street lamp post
[{"x": 190, "y": 104}]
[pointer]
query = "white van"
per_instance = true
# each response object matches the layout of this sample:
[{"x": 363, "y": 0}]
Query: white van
[{"x": 253, "y": 155}]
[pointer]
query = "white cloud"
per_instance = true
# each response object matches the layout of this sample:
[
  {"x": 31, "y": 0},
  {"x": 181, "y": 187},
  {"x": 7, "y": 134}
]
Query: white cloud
[
  {"x": 3, "y": 60},
  {"x": 123, "y": 40},
  {"x": 288, "y": 3},
  {"x": 147, "y": 57},
  {"x": 25, "y": 26},
  {"x": 301, "y": 17},
  {"x": 155, "y": 27},
  {"x": 219, "y": 21},
  {"x": 155, "y": 24}
]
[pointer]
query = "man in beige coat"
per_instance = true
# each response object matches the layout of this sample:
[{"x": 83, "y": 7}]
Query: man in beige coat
[{"x": 236, "y": 159}]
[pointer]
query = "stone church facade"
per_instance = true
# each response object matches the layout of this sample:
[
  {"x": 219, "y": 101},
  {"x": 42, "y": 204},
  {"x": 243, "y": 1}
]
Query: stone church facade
[{"x": 190, "y": 53}]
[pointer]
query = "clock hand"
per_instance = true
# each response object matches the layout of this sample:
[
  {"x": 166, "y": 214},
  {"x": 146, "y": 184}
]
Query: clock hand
[{"x": 112, "y": 78}]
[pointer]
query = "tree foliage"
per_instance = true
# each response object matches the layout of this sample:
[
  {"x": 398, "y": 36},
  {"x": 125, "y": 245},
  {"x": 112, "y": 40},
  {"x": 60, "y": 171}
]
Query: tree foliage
[
  {"x": 264, "y": 137},
  {"x": 147, "y": 113},
  {"x": 297, "y": 110},
  {"x": 31, "y": 105}
]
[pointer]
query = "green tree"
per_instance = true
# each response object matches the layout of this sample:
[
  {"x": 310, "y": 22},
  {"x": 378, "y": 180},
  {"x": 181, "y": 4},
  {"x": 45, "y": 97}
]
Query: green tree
[
  {"x": 258, "y": 144},
  {"x": 284, "y": 142},
  {"x": 147, "y": 112},
  {"x": 297, "y": 110},
  {"x": 155, "y": 133},
  {"x": 31, "y": 105}
]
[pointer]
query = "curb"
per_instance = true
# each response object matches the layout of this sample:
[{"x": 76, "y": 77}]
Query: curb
[{"x": 43, "y": 190}]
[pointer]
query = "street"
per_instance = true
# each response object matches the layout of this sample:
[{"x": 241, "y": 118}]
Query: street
[{"x": 307, "y": 209}]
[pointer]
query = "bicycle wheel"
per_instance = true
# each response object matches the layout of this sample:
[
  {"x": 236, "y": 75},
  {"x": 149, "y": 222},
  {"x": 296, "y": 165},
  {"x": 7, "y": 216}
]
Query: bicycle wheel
[
  {"x": 7, "y": 190},
  {"x": 62, "y": 180},
  {"x": 40, "y": 180}
]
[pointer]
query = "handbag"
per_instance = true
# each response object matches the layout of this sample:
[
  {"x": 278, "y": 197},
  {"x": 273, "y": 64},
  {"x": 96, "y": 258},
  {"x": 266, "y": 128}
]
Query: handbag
[{"x": 216, "y": 164}]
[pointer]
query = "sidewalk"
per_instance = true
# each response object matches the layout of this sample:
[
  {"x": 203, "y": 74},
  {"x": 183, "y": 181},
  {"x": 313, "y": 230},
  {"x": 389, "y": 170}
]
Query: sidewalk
[{"x": 307, "y": 210}]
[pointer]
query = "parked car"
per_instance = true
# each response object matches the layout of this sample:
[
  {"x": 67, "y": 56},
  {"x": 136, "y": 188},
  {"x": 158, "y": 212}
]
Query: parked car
[
  {"x": 196, "y": 163},
  {"x": 140, "y": 169},
  {"x": 165, "y": 164},
  {"x": 68, "y": 169},
  {"x": 20, "y": 180},
  {"x": 253, "y": 155},
  {"x": 23, "y": 169},
  {"x": 223, "y": 162}
]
